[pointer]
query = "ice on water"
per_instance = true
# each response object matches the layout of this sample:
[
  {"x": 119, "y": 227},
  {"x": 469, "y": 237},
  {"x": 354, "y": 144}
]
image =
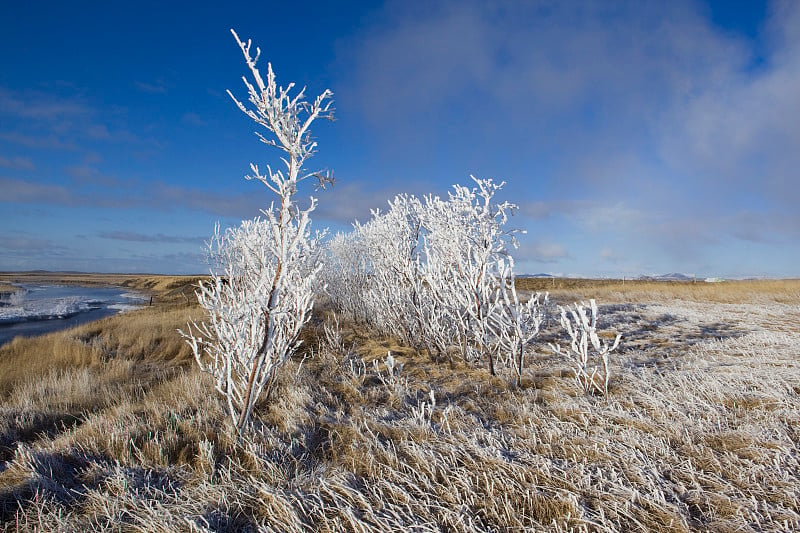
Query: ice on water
[{"x": 34, "y": 303}]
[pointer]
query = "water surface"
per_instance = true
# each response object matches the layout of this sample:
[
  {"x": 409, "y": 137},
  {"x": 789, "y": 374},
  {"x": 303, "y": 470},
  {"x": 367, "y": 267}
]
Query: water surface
[{"x": 38, "y": 309}]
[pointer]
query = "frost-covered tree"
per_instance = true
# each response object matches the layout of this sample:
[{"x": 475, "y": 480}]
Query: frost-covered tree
[
  {"x": 345, "y": 278},
  {"x": 261, "y": 288},
  {"x": 372, "y": 271},
  {"x": 391, "y": 244}
]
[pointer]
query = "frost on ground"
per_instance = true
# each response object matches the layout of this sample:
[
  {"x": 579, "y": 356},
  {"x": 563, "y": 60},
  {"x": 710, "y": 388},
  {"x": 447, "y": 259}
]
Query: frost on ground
[{"x": 700, "y": 431}]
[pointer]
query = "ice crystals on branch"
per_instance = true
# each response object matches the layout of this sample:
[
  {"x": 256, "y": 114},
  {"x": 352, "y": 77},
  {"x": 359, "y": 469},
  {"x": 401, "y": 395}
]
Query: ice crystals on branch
[
  {"x": 519, "y": 323},
  {"x": 438, "y": 274},
  {"x": 288, "y": 118},
  {"x": 465, "y": 246}
]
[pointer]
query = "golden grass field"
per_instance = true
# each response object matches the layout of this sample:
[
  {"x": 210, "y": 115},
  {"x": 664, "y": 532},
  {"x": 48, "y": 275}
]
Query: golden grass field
[{"x": 110, "y": 426}]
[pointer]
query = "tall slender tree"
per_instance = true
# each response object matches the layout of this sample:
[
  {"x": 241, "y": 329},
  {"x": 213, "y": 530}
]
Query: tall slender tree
[{"x": 261, "y": 289}]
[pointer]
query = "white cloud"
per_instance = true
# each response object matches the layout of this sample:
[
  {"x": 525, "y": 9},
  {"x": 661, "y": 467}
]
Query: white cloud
[
  {"x": 642, "y": 123},
  {"x": 541, "y": 252},
  {"x": 21, "y": 191},
  {"x": 133, "y": 236},
  {"x": 740, "y": 131},
  {"x": 130, "y": 194},
  {"x": 38, "y": 105},
  {"x": 608, "y": 254},
  {"x": 48, "y": 120},
  {"x": 349, "y": 201},
  {"x": 613, "y": 218},
  {"x": 38, "y": 141}
]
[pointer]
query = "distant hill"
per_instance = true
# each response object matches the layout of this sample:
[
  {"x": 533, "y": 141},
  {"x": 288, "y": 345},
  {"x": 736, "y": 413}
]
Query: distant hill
[{"x": 674, "y": 276}]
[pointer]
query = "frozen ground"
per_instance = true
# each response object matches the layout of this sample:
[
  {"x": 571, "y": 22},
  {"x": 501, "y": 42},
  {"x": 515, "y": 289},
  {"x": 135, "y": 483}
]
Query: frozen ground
[{"x": 700, "y": 432}]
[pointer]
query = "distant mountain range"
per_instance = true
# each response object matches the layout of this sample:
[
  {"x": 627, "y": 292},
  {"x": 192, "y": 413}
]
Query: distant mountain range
[{"x": 673, "y": 276}]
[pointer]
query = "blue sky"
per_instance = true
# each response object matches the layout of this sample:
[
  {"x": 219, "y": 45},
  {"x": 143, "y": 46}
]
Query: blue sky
[{"x": 636, "y": 137}]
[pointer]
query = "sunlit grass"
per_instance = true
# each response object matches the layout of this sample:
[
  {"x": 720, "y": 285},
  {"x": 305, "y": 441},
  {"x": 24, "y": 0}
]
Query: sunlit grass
[
  {"x": 6, "y": 288},
  {"x": 748, "y": 291},
  {"x": 110, "y": 426},
  {"x": 146, "y": 335}
]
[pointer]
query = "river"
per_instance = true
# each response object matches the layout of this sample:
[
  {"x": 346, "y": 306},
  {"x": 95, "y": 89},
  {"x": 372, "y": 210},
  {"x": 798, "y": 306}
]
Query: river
[{"x": 38, "y": 309}]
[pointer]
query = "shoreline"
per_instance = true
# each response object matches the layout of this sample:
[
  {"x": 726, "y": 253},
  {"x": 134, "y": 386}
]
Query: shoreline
[
  {"x": 161, "y": 287},
  {"x": 7, "y": 288},
  {"x": 153, "y": 289},
  {"x": 43, "y": 308}
]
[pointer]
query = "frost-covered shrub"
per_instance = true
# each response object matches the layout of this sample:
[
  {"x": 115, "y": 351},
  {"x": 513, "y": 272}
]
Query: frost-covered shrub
[
  {"x": 431, "y": 272},
  {"x": 588, "y": 353},
  {"x": 263, "y": 272},
  {"x": 393, "y": 381},
  {"x": 345, "y": 278},
  {"x": 465, "y": 251},
  {"x": 391, "y": 244},
  {"x": 519, "y": 323}
]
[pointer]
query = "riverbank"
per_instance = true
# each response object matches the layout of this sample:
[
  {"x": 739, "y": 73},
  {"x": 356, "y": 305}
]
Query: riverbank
[
  {"x": 166, "y": 288},
  {"x": 96, "y": 296},
  {"x": 37, "y": 309},
  {"x": 148, "y": 333},
  {"x": 7, "y": 288}
]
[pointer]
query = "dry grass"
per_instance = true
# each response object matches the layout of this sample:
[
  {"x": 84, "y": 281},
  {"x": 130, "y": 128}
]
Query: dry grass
[
  {"x": 146, "y": 335},
  {"x": 613, "y": 290},
  {"x": 701, "y": 432},
  {"x": 6, "y": 288}
]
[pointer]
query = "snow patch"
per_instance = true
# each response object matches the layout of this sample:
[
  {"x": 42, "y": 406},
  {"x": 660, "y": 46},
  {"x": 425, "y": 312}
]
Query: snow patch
[{"x": 124, "y": 308}]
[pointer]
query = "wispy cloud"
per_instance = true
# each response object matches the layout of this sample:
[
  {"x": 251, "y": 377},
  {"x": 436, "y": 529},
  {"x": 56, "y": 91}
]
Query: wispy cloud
[
  {"x": 609, "y": 254},
  {"x": 50, "y": 258},
  {"x": 164, "y": 196},
  {"x": 132, "y": 236},
  {"x": 99, "y": 132},
  {"x": 542, "y": 252},
  {"x": 127, "y": 194},
  {"x": 42, "y": 141},
  {"x": 157, "y": 87},
  {"x": 662, "y": 140},
  {"x": 739, "y": 133},
  {"x": 51, "y": 121},
  {"x": 21, "y": 191},
  {"x": 17, "y": 163},
  {"x": 350, "y": 201},
  {"x": 27, "y": 244},
  {"x": 88, "y": 174},
  {"x": 39, "y": 105},
  {"x": 193, "y": 119}
]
